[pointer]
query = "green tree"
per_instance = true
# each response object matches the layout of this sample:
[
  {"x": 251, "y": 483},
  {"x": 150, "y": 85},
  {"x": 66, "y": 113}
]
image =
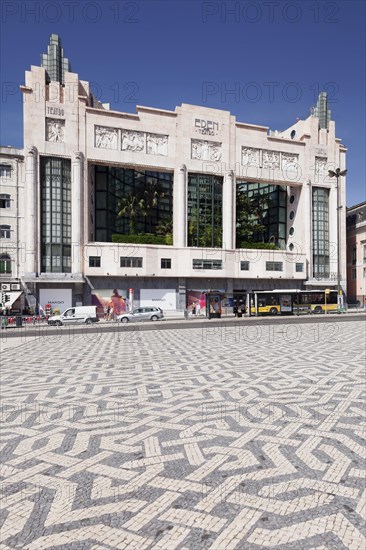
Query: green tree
[
  {"x": 131, "y": 206},
  {"x": 259, "y": 204},
  {"x": 248, "y": 214},
  {"x": 164, "y": 227},
  {"x": 150, "y": 199}
]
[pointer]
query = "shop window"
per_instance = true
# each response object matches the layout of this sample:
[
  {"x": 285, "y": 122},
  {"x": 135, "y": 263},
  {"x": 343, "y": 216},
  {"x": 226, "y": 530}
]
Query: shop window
[
  {"x": 94, "y": 261},
  {"x": 166, "y": 263}
]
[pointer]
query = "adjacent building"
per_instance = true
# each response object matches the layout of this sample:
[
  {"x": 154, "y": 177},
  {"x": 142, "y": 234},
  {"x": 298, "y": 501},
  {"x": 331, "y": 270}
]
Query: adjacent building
[
  {"x": 11, "y": 219},
  {"x": 158, "y": 206},
  {"x": 356, "y": 254}
]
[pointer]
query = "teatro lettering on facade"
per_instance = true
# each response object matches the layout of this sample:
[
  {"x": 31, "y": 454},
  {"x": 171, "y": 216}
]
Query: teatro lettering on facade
[
  {"x": 55, "y": 111},
  {"x": 206, "y": 127}
]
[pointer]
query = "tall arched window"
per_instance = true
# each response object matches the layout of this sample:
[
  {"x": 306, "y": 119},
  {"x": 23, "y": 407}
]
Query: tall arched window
[{"x": 5, "y": 264}]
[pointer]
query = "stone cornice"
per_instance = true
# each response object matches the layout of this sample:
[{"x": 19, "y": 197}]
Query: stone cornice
[
  {"x": 285, "y": 140},
  {"x": 115, "y": 114},
  {"x": 156, "y": 111},
  {"x": 252, "y": 126},
  {"x": 25, "y": 89},
  {"x": 136, "y": 166}
]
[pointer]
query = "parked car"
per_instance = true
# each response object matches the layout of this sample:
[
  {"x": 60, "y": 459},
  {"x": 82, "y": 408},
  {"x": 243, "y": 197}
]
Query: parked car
[
  {"x": 79, "y": 314},
  {"x": 141, "y": 314}
]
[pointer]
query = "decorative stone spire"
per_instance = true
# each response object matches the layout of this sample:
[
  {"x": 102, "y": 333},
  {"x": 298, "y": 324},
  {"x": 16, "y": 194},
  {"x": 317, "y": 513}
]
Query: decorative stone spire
[
  {"x": 321, "y": 111},
  {"x": 54, "y": 61}
]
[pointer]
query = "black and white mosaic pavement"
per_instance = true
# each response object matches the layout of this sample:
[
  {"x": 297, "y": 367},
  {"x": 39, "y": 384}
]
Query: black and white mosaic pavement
[{"x": 222, "y": 438}]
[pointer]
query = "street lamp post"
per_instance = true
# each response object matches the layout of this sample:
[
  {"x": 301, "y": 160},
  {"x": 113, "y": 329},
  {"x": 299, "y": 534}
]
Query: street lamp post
[{"x": 337, "y": 174}]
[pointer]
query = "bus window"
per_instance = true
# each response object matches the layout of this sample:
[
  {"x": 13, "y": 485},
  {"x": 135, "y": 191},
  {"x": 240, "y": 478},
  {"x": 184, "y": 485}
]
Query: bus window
[{"x": 272, "y": 300}]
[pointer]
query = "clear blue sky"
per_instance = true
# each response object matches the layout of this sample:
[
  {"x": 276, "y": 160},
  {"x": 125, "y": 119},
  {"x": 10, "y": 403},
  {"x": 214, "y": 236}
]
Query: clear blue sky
[{"x": 277, "y": 54}]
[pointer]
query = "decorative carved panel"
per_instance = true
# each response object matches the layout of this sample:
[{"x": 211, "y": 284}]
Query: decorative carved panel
[
  {"x": 106, "y": 138},
  {"x": 205, "y": 150},
  {"x": 271, "y": 159},
  {"x": 290, "y": 162},
  {"x": 321, "y": 165},
  {"x": 249, "y": 156},
  {"x": 55, "y": 130},
  {"x": 157, "y": 144},
  {"x": 133, "y": 141}
]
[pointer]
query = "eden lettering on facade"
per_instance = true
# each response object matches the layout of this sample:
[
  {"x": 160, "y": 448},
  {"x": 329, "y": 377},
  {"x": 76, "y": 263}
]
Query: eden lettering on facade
[{"x": 206, "y": 127}]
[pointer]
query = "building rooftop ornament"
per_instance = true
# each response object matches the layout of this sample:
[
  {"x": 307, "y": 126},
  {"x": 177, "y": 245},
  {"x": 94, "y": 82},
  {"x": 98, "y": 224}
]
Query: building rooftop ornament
[
  {"x": 54, "y": 61},
  {"x": 321, "y": 111}
]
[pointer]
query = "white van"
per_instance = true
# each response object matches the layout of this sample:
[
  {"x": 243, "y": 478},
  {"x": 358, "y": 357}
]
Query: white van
[{"x": 79, "y": 314}]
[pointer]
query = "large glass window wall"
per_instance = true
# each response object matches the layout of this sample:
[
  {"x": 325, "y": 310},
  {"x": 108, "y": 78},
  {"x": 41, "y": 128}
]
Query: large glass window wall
[
  {"x": 320, "y": 233},
  {"x": 204, "y": 211},
  {"x": 55, "y": 215},
  {"x": 146, "y": 198},
  {"x": 260, "y": 214}
]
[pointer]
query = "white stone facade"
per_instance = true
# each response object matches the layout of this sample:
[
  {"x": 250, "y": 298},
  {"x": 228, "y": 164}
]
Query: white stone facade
[
  {"x": 66, "y": 122},
  {"x": 12, "y": 174}
]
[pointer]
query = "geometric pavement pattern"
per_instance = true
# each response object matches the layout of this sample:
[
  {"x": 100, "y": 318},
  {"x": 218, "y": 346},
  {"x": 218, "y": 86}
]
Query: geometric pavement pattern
[{"x": 222, "y": 438}]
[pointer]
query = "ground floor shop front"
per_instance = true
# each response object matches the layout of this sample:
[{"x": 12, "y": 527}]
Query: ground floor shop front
[{"x": 116, "y": 295}]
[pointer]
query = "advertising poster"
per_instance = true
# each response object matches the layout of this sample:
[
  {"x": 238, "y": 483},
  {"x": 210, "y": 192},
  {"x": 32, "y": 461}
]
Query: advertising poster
[
  {"x": 198, "y": 298},
  {"x": 59, "y": 298},
  {"x": 113, "y": 299},
  {"x": 166, "y": 299},
  {"x": 286, "y": 305}
]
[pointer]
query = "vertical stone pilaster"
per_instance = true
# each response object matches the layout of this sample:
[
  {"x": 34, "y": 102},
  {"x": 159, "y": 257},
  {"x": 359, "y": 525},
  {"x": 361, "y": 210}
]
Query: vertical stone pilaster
[
  {"x": 227, "y": 211},
  {"x": 180, "y": 206},
  {"x": 77, "y": 213},
  {"x": 31, "y": 240},
  {"x": 308, "y": 238}
]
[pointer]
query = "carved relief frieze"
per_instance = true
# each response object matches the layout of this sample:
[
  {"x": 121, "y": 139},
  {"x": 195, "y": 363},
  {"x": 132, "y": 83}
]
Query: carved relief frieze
[
  {"x": 289, "y": 162},
  {"x": 55, "y": 130},
  {"x": 249, "y": 156},
  {"x": 106, "y": 138},
  {"x": 271, "y": 160},
  {"x": 157, "y": 144},
  {"x": 205, "y": 150},
  {"x": 321, "y": 165},
  {"x": 133, "y": 141}
]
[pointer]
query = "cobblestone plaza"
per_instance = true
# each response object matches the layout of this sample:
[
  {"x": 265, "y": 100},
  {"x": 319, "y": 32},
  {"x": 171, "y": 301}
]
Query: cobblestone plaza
[{"x": 232, "y": 437}]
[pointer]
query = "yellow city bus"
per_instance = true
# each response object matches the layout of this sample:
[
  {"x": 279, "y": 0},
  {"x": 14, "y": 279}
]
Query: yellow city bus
[{"x": 289, "y": 302}]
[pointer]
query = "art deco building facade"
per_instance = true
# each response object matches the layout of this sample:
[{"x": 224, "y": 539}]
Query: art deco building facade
[{"x": 155, "y": 201}]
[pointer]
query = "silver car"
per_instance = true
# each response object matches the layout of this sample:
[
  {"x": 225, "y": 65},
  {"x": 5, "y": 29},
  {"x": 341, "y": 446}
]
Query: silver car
[{"x": 141, "y": 314}]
